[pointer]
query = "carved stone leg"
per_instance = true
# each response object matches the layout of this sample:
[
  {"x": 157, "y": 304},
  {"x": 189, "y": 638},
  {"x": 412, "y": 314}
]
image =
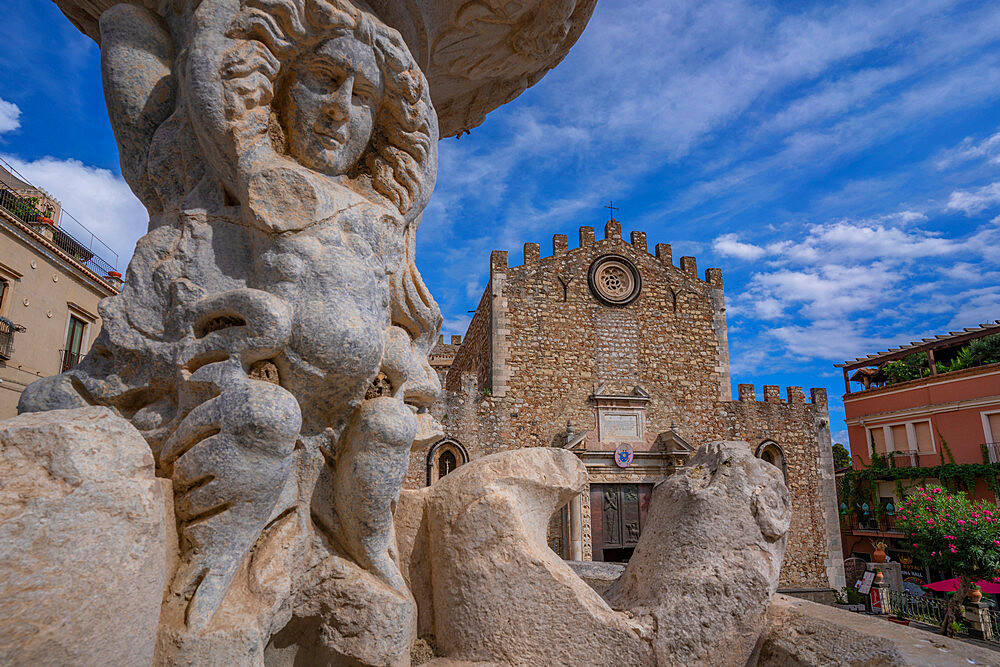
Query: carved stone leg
[{"x": 371, "y": 465}]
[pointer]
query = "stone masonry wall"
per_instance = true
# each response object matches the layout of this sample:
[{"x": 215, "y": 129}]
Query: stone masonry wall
[
  {"x": 474, "y": 354},
  {"x": 559, "y": 344},
  {"x": 813, "y": 556}
]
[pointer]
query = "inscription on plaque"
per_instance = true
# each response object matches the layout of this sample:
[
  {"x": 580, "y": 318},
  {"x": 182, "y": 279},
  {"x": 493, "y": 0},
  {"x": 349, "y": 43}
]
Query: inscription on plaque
[{"x": 619, "y": 426}]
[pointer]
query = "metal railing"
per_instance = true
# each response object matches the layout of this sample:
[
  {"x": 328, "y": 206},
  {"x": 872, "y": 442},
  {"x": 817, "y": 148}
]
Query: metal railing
[
  {"x": 7, "y": 331},
  {"x": 911, "y": 459},
  {"x": 857, "y": 521},
  {"x": 19, "y": 207},
  {"x": 992, "y": 452},
  {"x": 70, "y": 235},
  {"x": 925, "y": 609},
  {"x": 69, "y": 359}
]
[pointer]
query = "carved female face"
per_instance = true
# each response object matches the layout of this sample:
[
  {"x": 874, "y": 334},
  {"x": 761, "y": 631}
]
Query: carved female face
[{"x": 330, "y": 104}]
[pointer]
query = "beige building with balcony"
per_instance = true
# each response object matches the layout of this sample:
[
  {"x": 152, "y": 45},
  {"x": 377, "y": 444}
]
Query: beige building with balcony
[{"x": 50, "y": 285}]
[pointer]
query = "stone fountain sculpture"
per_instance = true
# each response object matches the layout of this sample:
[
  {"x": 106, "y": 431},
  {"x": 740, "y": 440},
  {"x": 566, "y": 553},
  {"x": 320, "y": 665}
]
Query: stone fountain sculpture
[{"x": 271, "y": 341}]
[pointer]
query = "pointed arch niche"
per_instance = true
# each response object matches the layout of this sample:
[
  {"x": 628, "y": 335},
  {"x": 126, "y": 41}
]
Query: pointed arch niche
[
  {"x": 772, "y": 452},
  {"x": 444, "y": 456}
]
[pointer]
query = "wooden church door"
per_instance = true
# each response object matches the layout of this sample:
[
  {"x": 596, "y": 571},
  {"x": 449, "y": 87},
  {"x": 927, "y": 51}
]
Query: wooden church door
[{"x": 618, "y": 513}]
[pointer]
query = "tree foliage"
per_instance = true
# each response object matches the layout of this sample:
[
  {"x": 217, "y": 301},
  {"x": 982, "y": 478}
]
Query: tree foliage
[
  {"x": 841, "y": 457},
  {"x": 985, "y": 350},
  {"x": 908, "y": 368},
  {"x": 977, "y": 353}
]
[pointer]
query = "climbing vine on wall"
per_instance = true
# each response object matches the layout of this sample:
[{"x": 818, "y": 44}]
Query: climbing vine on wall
[{"x": 861, "y": 486}]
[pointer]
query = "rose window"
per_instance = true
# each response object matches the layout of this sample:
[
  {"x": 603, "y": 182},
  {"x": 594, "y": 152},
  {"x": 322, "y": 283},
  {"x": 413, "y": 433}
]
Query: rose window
[{"x": 614, "y": 280}]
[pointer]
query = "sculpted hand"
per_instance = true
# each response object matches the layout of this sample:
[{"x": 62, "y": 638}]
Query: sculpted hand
[{"x": 230, "y": 455}]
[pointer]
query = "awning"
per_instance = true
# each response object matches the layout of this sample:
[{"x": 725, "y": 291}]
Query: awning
[{"x": 951, "y": 585}]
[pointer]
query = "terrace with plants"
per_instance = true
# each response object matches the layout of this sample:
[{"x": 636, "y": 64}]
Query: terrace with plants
[
  {"x": 973, "y": 347},
  {"x": 34, "y": 208}
]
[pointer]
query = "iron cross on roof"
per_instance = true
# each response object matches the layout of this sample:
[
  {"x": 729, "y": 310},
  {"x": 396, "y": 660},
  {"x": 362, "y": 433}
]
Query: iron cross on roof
[{"x": 611, "y": 205}]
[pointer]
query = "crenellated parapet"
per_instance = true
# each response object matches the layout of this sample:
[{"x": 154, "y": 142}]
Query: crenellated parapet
[
  {"x": 587, "y": 241},
  {"x": 771, "y": 394}
]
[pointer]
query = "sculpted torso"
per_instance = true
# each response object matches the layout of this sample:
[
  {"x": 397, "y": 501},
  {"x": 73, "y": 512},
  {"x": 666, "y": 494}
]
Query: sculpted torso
[{"x": 280, "y": 326}]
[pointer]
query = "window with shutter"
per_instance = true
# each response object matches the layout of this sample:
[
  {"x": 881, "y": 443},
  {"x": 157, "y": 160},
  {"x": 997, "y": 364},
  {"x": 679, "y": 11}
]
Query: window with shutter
[
  {"x": 900, "y": 441},
  {"x": 925, "y": 443},
  {"x": 994, "y": 423},
  {"x": 876, "y": 436}
]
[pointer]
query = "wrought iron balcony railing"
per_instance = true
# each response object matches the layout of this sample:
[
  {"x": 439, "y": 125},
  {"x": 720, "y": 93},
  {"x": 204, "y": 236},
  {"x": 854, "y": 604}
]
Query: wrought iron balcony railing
[
  {"x": 69, "y": 235},
  {"x": 69, "y": 359},
  {"x": 7, "y": 331},
  {"x": 19, "y": 207},
  {"x": 869, "y": 523}
]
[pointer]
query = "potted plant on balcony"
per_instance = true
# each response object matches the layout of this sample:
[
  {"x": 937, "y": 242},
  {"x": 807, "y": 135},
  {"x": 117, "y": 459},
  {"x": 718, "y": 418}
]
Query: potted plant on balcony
[
  {"x": 879, "y": 555},
  {"x": 47, "y": 217},
  {"x": 975, "y": 593}
]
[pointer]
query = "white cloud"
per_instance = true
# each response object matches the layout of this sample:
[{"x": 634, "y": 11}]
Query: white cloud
[
  {"x": 970, "y": 149},
  {"x": 96, "y": 197},
  {"x": 10, "y": 116},
  {"x": 827, "y": 339},
  {"x": 850, "y": 287},
  {"x": 729, "y": 245},
  {"x": 867, "y": 240},
  {"x": 975, "y": 201},
  {"x": 455, "y": 325},
  {"x": 819, "y": 292},
  {"x": 837, "y": 97},
  {"x": 974, "y": 307}
]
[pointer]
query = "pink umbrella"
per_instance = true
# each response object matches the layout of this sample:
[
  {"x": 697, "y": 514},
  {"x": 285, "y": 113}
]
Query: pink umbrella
[{"x": 951, "y": 585}]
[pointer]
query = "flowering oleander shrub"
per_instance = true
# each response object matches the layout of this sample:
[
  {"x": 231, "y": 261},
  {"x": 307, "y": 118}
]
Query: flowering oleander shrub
[{"x": 951, "y": 532}]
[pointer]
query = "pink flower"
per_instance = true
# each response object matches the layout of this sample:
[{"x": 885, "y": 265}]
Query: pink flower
[
  {"x": 930, "y": 522},
  {"x": 934, "y": 553},
  {"x": 961, "y": 523},
  {"x": 996, "y": 542},
  {"x": 915, "y": 544}
]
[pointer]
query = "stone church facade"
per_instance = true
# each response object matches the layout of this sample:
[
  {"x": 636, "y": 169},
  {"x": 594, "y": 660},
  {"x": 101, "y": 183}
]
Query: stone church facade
[{"x": 620, "y": 356}]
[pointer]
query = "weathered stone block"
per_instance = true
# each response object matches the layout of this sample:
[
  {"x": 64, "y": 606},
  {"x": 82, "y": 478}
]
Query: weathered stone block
[{"x": 83, "y": 551}]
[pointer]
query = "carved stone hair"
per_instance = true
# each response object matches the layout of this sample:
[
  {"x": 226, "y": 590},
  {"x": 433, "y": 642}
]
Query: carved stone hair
[{"x": 398, "y": 152}]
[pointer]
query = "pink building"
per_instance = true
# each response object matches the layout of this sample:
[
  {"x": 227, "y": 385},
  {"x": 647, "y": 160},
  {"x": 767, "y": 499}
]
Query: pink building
[{"x": 920, "y": 405}]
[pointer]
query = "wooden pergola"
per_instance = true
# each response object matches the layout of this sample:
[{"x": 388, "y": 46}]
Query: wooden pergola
[{"x": 928, "y": 345}]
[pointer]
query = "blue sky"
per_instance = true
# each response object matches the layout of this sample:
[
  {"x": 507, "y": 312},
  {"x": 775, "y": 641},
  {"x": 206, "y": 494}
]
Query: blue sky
[{"x": 839, "y": 161}]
